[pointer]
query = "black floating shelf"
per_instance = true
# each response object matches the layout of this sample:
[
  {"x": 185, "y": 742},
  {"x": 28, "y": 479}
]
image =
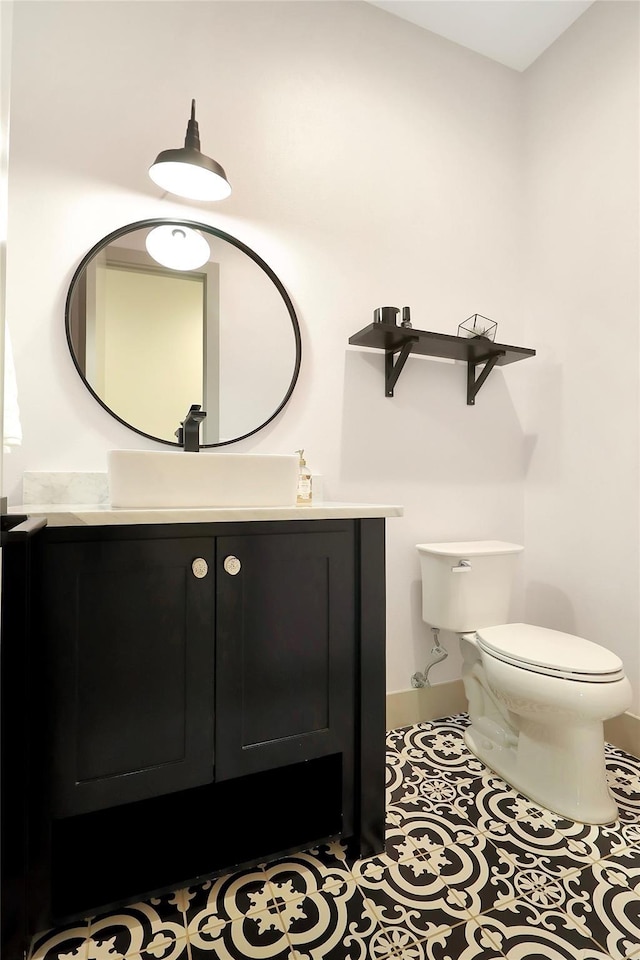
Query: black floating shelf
[{"x": 475, "y": 351}]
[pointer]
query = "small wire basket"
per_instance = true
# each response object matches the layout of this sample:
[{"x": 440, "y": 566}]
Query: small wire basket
[{"x": 478, "y": 326}]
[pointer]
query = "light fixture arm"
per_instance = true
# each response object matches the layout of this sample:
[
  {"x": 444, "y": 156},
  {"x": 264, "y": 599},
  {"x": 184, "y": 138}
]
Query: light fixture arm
[{"x": 192, "y": 138}]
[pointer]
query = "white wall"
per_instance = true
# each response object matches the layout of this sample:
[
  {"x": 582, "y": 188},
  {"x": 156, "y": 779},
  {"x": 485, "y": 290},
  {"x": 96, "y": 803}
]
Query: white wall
[
  {"x": 6, "y": 31},
  {"x": 372, "y": 163},
  {"x": 582, "y": 485}
]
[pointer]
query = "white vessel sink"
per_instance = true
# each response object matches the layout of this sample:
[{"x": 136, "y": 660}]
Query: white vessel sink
[{"x": 158, "y": 478}]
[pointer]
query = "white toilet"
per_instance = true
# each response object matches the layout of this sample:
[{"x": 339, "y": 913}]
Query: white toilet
[{"x": 537, "y": 697}]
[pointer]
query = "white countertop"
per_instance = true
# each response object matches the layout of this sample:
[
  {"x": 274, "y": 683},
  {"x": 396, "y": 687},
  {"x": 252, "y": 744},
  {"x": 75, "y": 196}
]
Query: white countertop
[{"x": 103, "y": 514}]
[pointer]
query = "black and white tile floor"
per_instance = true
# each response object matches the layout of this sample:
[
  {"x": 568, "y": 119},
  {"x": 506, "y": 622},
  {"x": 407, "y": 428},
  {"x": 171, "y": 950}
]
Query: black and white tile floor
[{"x": 471, "y": 870}]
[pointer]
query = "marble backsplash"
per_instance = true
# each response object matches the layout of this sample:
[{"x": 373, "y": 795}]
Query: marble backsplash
[
  {"x": 65, "y": 488},
  {"x": 80, "y": 488}
]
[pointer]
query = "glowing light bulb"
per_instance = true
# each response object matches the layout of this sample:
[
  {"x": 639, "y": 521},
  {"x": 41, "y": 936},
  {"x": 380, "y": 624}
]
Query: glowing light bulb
[{"x": 177, "y": 247}]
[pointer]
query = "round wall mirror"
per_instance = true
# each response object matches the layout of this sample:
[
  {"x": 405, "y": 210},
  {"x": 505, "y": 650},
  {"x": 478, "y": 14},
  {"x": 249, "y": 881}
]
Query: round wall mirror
[{"x": 164, "y": 314}]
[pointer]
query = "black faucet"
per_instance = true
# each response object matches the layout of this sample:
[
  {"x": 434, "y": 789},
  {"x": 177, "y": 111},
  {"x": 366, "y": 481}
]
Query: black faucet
[{"x": 188, "y": 433}]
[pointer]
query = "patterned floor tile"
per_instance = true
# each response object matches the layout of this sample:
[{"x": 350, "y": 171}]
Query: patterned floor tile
[
  {"x": 631, "y": 833},
  {"x": 607, "y": 906},
  {"x": 595, "y": 842},
  {"x": 623, "y": 778},
  {"x": 476, "y": 873},
  {"x": 398, "y": 846},
  {"x": 611, "y": 748},
  {"x": 161, "y": 947},
  {"x": 488, "y": 800},
  {"x": 333, "y": 924},
  {"x": 401, "y": 737},
  {"x": 523, "y": 932},
  {"x": 260, "y": 935},
  {"x": 140, "y": 930},
  {"x": 304, "y": 874},
  {"x": 389, "y": 943},
  {"x": 70, "y": 941},
  {"x": 380, "y": 946},
  {"x": 426, "y": 829},
  {"x": 409, "y": 895},
  {"x": 531, "y": 843},
  {"x": 395, "y": 738},
  {"x": 229, "y": 897},
  {"x": 465, "y": 941},
  {"x": 472, "y": 870},
  {"x": 628, "y": 861},
  {"x": 236, "y": 916},
  {"x": 429, "y": 789},
  {"x": 402, "y": 779},
  {"x": 153, "y": 930},
  {"x": 441, "y": 746},
  {"x": 333, "y": 855},
  {"x": 171, "y": 907}
]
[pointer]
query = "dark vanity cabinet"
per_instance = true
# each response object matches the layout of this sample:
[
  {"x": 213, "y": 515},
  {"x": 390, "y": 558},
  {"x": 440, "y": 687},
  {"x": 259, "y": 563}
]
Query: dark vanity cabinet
[
  {"x": 285, "y": 648},
  {"x": 191, "y": 674},
  {"x": 128, "y": 631}
]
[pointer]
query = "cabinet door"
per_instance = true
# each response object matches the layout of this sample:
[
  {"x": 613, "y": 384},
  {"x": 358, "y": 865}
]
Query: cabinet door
[
  {"x": 129, "y": 637},
  {"x": 285, "y": 641}
]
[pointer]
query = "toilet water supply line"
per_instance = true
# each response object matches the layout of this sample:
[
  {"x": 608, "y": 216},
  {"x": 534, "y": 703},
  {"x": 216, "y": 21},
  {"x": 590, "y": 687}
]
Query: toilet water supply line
[{"x": 438, "y": 653}]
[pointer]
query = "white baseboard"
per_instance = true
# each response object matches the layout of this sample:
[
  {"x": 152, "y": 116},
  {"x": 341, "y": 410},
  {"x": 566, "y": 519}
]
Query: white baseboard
[
  {"x": 444, "y": 699},
  {"x": 623, "y": 732},
  {"x": 425, "y": 703}
]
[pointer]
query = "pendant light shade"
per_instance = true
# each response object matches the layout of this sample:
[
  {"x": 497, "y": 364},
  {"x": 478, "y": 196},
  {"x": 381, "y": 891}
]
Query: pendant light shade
[
  {"x": 189, "y": 173},
  {"x": 177, "y": 247}
]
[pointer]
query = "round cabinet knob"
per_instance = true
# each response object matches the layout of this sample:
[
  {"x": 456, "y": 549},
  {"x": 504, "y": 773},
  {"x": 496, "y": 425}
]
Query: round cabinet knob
[
  {"x": 232, "y": 565},
  {"x": 200, "y": 568}
]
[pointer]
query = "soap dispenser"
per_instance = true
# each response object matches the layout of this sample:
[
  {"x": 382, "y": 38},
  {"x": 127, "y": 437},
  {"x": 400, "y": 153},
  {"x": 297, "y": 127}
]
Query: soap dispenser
[{"x": 304, "y": 492}]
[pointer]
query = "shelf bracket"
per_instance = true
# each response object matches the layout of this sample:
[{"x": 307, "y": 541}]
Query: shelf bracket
[
  {"x": 474, "y": 383},
  {"x": 393, "y": 370}
]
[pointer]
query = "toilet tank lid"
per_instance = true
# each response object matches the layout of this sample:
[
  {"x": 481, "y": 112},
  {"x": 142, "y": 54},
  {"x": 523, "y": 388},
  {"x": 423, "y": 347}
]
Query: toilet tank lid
[
  {"x": 470, "y": 548},
  {"x": 540, "y": 646}
]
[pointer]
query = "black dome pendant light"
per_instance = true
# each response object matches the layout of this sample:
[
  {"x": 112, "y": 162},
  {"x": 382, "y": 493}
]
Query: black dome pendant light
[{"x": 189, "y": 173}]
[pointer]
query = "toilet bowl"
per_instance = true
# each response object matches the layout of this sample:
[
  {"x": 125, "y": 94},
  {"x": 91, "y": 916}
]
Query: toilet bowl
[
  {"x": 537, "y": 697},
  {"x": 537, "y": 717}
]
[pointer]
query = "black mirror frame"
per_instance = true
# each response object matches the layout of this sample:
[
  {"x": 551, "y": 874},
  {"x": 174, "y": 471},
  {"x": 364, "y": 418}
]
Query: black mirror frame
[{"x": 143, "y": 224}]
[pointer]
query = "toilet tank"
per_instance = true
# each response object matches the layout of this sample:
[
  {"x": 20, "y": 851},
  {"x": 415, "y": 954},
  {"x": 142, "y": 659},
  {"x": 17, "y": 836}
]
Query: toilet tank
[{"x": 467, "y": 585}]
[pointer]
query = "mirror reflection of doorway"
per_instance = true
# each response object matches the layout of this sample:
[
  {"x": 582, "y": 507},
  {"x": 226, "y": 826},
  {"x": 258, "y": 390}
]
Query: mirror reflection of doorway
[{"x": 171, "y": 319}]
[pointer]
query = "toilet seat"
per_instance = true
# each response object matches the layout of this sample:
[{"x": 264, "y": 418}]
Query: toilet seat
[{"x": 550, "y": 652}]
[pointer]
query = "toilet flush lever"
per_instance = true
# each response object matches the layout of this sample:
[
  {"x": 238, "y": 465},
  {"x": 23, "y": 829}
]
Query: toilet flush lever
[{"x": 464, "y": 566}]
